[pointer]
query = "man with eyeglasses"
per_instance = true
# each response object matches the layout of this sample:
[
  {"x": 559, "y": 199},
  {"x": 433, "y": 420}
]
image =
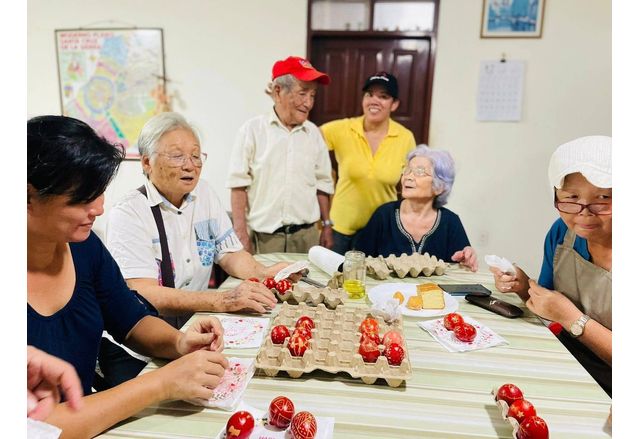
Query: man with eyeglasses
[
  {"x": 574, "y": 286},
  {"x": 167, "y": 235},
  {"x": 280, "y": 172}
]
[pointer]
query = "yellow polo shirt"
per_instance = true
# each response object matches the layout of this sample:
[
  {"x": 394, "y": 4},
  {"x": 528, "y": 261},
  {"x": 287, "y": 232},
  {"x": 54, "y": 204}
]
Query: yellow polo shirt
[{"x": 365, "y": 181}]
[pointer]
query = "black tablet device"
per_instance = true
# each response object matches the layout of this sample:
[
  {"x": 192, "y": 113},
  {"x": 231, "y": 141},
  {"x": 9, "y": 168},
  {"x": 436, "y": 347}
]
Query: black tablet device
[{"x": 465, "y": 289}]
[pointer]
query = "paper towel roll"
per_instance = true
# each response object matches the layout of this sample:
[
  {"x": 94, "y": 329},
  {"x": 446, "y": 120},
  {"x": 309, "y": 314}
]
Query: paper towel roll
[{"x": 325, "y": 259}]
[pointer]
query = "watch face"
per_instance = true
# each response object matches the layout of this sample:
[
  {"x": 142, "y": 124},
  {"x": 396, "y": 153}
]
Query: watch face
[{"x": 576, "y": 329}]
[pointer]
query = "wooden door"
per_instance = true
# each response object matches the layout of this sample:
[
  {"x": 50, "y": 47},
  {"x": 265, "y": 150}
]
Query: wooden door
[{"x": 349, "y": 61}]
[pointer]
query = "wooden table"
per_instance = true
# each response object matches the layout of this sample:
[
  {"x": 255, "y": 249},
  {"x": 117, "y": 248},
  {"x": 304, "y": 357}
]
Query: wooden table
[{"x": 448, "y": 395}]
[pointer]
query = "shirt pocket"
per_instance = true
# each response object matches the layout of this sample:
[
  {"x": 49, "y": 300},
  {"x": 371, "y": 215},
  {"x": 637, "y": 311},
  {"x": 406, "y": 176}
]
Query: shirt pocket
[{"x": 206, "y": 243}]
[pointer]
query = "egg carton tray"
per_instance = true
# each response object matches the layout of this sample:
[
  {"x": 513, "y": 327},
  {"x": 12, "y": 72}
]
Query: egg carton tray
[
  {"x": 333, "y": 347},
  {"x": 413, "y": 265},
  {"x": 503, "y": 407},
  {"x": 331, "y": 297}
]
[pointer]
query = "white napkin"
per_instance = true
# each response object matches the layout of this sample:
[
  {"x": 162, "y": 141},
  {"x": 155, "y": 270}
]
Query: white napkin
[
  {"x": 262, "y": 429},
  {"x": 502, "y": 264},
  {"x": 229, "y": 391},
  {"x": 485, "y": 337},
  {"x": 389, "y": 310},
  {"x": 289, "y": 270},
  {"x": 325, "y": 259},
  {"x": 41, "y": 430}
]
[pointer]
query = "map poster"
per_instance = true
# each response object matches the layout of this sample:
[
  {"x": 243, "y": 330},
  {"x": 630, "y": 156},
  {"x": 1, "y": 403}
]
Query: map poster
[{"x": 112, "y": 79}]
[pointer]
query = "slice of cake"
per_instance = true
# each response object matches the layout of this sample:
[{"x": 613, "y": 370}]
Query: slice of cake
[
  {"x": 415, "y": 303},
  {"x": 432, "y": 299},
  {"x": 427, "y": 287}
]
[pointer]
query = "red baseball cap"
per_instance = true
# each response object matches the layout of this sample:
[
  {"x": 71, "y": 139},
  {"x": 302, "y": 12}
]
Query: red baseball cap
[{"x": 300, "y": 68}]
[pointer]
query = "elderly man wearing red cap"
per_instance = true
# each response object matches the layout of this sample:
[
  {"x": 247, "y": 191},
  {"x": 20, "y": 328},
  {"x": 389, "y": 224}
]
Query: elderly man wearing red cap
[{"x": 280, "y": 172}]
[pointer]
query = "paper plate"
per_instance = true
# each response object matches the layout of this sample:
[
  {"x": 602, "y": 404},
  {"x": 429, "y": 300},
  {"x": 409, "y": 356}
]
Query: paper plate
[{"x": 386, "y": 291}]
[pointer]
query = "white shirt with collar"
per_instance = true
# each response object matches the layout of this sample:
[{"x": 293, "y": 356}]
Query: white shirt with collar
[
  {"x": 199, "y": 233},
  {"x": 283, "y": 171}
]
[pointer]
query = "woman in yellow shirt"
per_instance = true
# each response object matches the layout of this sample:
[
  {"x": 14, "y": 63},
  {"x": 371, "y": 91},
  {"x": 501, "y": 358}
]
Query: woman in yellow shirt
[{"x": 367, "y": 154}]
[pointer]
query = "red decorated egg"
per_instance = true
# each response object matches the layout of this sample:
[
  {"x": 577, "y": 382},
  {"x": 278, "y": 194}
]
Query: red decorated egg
[
  {"x": 283, "y": 286},
  {"x": 465, "y": 332},
  {"x": 369, "y": 350},
  {"x": 509, "y": 393},
  {"x": 303, "y": 331},
  {"x": 306, "y": 322},
  {"x": 393, "y": 336},
  {"x": 373, "y": 336},
  {"x": 253, "y": 279},
  {"x": 240, "y": 425},
  {"x": 369, "y": 325},
  {"x": 304, "y": 426},
  {"x": 269, "y": 282},
  {"x": 452, "y": 320},
  {"x": 279, "y": 334},
  {"x": 298, "y": 345},
  {"x": 533, "y": 427},
  {"x": 521, "y": 409},
  {"x": 394, "y": 354},
  {"x": 281, "y": 412}
]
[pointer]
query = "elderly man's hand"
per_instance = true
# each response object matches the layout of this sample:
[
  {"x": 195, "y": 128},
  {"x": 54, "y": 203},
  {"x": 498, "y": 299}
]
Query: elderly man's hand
[
  {"x": 326, "y": 237},
  {"x": 249, "y": 296},
  {"x": 46, "y": 376},
  {"x": 467, "y": 258},
  {"x": 552, "y": 305},
  {"x": 203, "y": 334}
]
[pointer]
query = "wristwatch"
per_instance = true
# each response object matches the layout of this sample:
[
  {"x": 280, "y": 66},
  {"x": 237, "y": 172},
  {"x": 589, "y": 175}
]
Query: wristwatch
[
  {"x": 326, "y": 223},
  {"x": 577, "y": 327}
]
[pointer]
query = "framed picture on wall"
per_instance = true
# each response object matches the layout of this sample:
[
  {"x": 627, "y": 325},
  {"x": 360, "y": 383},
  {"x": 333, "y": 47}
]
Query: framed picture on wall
[
  {"x": 112, "y": 79},
  {"x": 512, "y": 18}
]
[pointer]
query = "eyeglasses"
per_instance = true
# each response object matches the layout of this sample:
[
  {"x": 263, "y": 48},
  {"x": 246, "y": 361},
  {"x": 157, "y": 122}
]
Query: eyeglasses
[
  {"x": 417, "y": 172},
  {"x": 594, "y": 208},
  {"x": 176, "y": 161}
]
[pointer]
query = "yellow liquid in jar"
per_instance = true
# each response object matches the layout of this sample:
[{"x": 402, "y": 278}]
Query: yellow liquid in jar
[{"x": 355, "y": 288}]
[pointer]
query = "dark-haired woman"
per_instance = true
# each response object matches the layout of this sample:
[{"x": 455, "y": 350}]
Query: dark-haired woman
[{"x": 75, "y": 289}]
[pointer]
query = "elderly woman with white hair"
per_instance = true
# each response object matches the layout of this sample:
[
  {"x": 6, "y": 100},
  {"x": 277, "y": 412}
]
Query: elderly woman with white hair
[
  {"x": 167, "y": 235},
  {"x": 574, "y": 286},
  {"x": 419, "y": 222}
]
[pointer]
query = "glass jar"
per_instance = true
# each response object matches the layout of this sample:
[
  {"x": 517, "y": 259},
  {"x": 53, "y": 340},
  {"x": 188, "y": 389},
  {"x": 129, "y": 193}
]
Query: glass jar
[{"x": 354, "y": 271}]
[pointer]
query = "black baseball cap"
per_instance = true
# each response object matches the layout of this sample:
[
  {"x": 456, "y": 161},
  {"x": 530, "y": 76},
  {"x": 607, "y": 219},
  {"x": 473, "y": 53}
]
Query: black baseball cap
[{"x": 386, "y": 80}]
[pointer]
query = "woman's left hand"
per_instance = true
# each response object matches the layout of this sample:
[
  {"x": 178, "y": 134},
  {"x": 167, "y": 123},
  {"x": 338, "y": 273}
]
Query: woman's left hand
[
  {"x": 466, "y": 257},
  {"x": 551, "y": 305},
  {"x": 203, "y": 334}
]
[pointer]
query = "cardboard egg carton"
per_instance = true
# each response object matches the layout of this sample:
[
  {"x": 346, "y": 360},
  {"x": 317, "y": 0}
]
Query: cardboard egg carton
[
  {"x": 413, "y": 265},
  {"x": 333, "y": 347},
  {"x": 503, "y": 407},
  {"x": 331, "y": 297}
]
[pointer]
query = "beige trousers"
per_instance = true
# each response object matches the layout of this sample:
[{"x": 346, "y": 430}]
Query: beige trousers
[{"x": 298, "y": 242}]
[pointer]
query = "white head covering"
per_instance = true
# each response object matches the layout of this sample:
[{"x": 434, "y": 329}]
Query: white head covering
[{"x": 590, "y": 156}]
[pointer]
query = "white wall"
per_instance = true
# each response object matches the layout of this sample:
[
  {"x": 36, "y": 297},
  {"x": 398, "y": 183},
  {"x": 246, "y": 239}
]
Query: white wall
[
  {"x": 218, "y": 56},
  {"x": 501, "y": 190}
]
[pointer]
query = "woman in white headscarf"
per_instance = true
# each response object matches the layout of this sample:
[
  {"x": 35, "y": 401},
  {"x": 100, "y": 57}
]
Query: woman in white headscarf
[{"x": 574, "y": 287}]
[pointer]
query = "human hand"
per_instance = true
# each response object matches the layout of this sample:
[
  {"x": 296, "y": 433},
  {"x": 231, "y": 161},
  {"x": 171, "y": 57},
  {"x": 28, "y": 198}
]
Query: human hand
[
  {"x": 326, "y": 237},
  {"x": 46, "y": 376},
  {"x": 552, "y": 305},
  {"x": 204, "y": 334},
  {"x": 193, "y": 375},
  {"x": 467, "y": 258},
  {"x": 252, "y": 296},
  {"x": 509, "y": 283}
]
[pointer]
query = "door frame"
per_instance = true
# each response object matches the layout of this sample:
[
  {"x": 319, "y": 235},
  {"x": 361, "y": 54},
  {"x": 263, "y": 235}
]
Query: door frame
[{"x": 424, "y": 136}]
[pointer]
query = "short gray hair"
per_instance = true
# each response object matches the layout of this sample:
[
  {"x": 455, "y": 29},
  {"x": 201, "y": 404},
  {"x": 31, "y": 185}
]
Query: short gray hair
[
  {"x": 286, "y": 82},
  {"x": 158, "y": 126},
  {"x": 444, "y": 172}
]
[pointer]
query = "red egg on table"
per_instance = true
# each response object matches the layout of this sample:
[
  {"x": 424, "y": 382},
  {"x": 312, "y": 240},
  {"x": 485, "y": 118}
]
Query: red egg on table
[
  {"x": 253, "y": 279},
  {"x": 369, "y": 325},
  {"x": 306, "y": 322},
  {"x": 303, "y": 331},
  {"x": 298, "y": 345},
  {"x": 283, "y": 286},
  {"x": 394, "y": 354},
  {"x": 509, "y": 393},
  {"x": 533, "y": 427},
  {"x": 279, "y": 334},
  {"x": 303, "y": 426},
  {"x": 240, "y": 425},
  {"x": 452, "y": 320},
  {"x": 373, "y": 336},
  {"x": 393, "y": 336},
  {"x": 521, "y": 409},
  {"x": 269, "y": 282},
  {"x": 281, "y": 412},
  {"x": 369, "y": 350},
  {"x": 465, "y": 332}
]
